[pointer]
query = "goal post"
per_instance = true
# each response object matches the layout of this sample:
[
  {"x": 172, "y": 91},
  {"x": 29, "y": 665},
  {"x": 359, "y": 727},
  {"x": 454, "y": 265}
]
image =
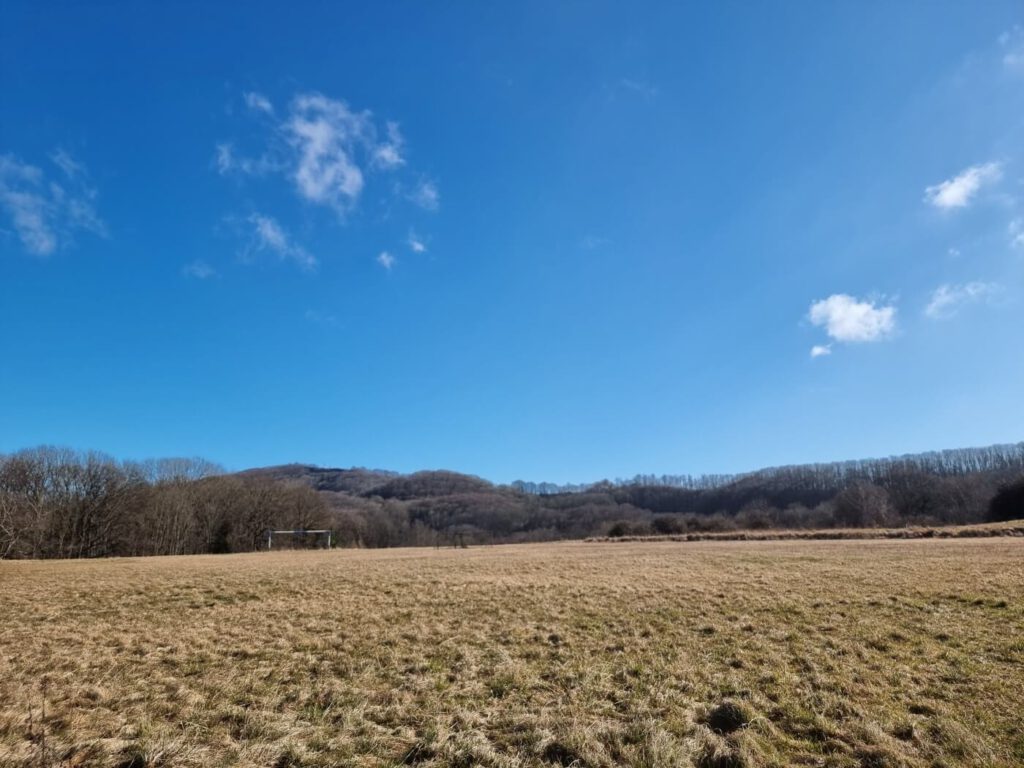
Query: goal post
[{"x": 300, "y": 534}]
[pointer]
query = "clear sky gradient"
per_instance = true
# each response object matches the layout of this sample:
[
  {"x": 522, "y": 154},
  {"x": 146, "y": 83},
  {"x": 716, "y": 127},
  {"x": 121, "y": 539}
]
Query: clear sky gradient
[{"x": 551, "y": 241}]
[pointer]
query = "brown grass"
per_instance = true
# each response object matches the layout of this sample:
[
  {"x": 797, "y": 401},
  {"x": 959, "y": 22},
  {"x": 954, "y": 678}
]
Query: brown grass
[
  {"x": 867, "y": 653},
  {"x": 979, "y": 531}
]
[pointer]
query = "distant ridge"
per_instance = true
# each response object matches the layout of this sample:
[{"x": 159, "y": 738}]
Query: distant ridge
[
  {"x": 57, "y": 502},
  {"x": 942, "y": 463}
]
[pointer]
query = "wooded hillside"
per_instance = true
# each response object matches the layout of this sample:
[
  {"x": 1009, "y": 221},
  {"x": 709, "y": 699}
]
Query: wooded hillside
[{"x": 60, "y": 503}]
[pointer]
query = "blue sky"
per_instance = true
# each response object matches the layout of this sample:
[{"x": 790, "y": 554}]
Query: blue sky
[{"x": 552, "y": 241}]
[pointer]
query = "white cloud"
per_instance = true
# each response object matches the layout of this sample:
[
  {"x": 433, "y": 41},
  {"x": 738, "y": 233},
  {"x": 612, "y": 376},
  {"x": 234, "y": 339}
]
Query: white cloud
[
  {"x": 593, "y": 242},
  {"x": 326, "y": 148},
  {"x": 198, "y": 269},
  {"x": 961, "y": 189},
  {"x": 268, "y": 235},
  {"x": 1013, "y": 50},
  {"x": 386, "y": 260},
  {"x": 946, "y": 300},
  {"x": 416, "y": 244},
  {"x": 326, "y": 135},
  {"x": 258, "y": 102},
  {"x": 388, "y": 154},
  {"x": 228, "y": 161},
  {"x": 31, "y": 215},
  {"x": 322, "y": 318},
  {"x": 68, "y": 165},
  {"x": 849, "y": 320},
  {"x": 640, "y": 87},
  {"x": 1016, "y": 230},
  {"x": 44, "y": 213},
  {"x": 426, "y": 195},
  {"x": 820, "y": 350},
  {"x": 225, "y": 157},
  {"x": 328, "y": 153}
]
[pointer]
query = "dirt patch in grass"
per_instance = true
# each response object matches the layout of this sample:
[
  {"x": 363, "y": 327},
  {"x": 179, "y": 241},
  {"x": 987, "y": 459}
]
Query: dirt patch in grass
[{"x": 727, "y": 717}]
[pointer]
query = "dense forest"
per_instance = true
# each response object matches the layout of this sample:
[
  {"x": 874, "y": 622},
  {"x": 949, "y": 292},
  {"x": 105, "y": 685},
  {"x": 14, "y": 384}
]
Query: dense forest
[{"x": 56, "y": 502}]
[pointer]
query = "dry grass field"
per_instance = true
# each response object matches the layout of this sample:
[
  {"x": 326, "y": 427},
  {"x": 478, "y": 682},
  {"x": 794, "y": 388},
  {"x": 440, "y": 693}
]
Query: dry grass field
[
  {"x": 984, "y": 530},
  {"x": 831, "y": 653}
]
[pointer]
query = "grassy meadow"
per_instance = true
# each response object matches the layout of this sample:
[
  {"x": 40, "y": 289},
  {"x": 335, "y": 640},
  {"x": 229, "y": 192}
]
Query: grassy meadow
[{"x": 716, "y": 654}]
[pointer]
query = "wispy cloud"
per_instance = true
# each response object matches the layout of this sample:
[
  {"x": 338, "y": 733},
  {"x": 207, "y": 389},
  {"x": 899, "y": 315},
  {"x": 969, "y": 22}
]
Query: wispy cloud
[
  {"x": 70, "y": 167},
  {"x": 388, "y": 154},
  {"x": 322, "y": 318},
  {"x": 958, "y": 191},
  {"x": 386, "y": 260},
  {"x": 1016, "y": 231},
  {"x": 416, "y": 243},
  {"x": 46, "y": 213},
  {"x": 228, "y": 161},
  {"x": 326, "y": 135},
  {"x": 225, "y": 157},
  {"x": 593, "y": 242},
  {"x": 323, "y": 146},
  {"x": 258, "y": 102},
  {"x": 850, "y": 320},
  {"x": 948, "y": 299},
  {"x": 1012, "y": 43},
  {"x": 426, "y": 195},
  {"x": 268, "y": 235},
  {"x": 328, "y": 153},
  {"x": 198, "y": 270},
  {"x": 820, "y": 350},
  {"x": 638, "y": 87}
]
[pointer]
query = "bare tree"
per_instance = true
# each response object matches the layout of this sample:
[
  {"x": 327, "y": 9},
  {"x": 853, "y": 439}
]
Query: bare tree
[
  {"x": 8, "y": 524},
  {"x": 863, "y": 505}
]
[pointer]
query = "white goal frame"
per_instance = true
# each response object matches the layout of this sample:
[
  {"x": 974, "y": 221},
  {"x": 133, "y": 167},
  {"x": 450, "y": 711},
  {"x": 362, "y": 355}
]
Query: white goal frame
[{"x": 299, "y": 532}]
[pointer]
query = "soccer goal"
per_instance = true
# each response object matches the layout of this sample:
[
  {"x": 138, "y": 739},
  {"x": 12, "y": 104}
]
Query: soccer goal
[{"x": 301, "y": 538}]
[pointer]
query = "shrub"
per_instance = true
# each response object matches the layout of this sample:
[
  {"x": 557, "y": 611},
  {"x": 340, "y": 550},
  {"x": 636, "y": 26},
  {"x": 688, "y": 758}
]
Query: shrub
[
  {"x": 667, "y": 524},
  {"x": 1008, "y": 503}
]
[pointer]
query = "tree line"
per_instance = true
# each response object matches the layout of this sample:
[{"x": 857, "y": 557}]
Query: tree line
[
  {"x": 55, "y": 502},
  {"x": 830, "y": 476}
]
